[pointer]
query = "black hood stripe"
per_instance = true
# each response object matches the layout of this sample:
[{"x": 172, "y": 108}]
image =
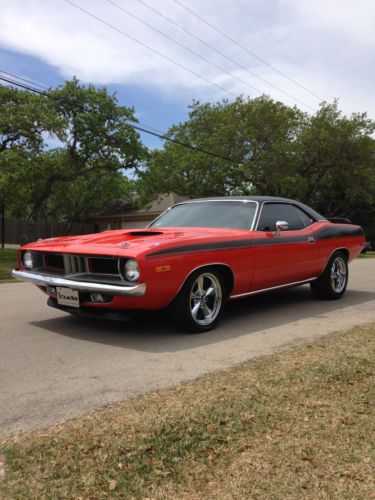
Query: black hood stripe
[{"x": 321, "y": 234}]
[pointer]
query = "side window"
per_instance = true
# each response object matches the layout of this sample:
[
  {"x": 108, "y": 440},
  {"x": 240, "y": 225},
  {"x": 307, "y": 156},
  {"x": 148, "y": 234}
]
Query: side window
[
  {"x": 306, "y": 219},
  {"x": 272, "y": 212}
]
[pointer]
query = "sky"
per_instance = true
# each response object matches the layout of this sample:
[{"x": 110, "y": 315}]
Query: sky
[{"x": 326, "y": 46}]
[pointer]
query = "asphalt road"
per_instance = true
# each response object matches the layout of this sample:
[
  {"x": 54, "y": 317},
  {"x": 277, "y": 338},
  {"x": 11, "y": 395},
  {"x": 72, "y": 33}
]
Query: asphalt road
[{"x": 54, "y": 366}]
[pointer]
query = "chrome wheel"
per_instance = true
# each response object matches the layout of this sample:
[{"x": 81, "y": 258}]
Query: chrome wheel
[
  {"x": 338, "y": 274},
  {"x": 205, "y": 299}
]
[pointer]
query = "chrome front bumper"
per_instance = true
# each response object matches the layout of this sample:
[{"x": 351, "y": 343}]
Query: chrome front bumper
[{"x": 42, "y": 280}]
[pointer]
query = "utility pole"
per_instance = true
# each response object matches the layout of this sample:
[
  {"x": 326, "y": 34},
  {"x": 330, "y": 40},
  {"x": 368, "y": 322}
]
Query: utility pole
[{"x": 2, "y": 209}]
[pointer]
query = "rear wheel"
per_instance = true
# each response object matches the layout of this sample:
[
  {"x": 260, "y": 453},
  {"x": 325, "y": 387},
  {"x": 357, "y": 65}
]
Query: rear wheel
[
  {"x": 200, "y": 303},
  {"x": 331, "y": 285}
]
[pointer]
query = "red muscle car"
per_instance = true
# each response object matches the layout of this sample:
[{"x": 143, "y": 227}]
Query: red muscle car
[{"x": 193, "y": 258}]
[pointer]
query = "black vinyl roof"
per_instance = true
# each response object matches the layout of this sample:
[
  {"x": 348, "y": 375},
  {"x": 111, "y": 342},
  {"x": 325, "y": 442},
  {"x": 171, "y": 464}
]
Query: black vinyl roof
[{"x": 260, "y": 199}]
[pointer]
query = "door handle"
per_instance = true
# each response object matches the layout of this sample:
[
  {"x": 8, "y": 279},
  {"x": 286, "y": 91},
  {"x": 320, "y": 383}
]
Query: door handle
[{"x": 311, "y": 239}]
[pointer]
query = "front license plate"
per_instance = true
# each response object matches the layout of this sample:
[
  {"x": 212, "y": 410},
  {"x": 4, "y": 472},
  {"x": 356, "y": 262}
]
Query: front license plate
[{"x": 67, "y": 297}]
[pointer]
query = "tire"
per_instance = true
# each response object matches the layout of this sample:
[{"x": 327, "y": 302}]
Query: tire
[
  {"x": 200, "y": 303},
  {"x": 332, "y": 283}
]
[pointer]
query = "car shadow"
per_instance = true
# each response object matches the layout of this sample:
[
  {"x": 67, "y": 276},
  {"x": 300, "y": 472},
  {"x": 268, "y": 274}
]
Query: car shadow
[{"x": 153, "y": 332}]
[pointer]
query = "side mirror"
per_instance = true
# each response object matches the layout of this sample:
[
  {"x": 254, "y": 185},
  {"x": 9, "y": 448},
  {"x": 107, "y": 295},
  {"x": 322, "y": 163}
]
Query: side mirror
[{"x": 281, "y": 225}]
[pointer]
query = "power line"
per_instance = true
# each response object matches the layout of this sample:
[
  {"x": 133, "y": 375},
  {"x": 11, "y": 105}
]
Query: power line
[
  {"x": 136, "y": 127},
  {"x": 55, "y": 97},
  {"x": 186, "y": 48},
  {"x": 222, "y": 54},
  {"x": 150, "y": 127},
  {"x": 246, "y": 49},
  {"x": 139, "y": 42},
  {"x": 48, "y": 88},
  {"x": 134, "y": 16},
  {"x": 23, "y": 86},
  {"x": 24, "y": 79}
]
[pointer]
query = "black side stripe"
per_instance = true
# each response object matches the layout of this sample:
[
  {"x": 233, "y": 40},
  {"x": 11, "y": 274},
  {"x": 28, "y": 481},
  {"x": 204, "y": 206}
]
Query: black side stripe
[
  {"x": 338, "y": 232},
  {"x": 325, "y": 233},
  {"x": 205, "y": 246}
]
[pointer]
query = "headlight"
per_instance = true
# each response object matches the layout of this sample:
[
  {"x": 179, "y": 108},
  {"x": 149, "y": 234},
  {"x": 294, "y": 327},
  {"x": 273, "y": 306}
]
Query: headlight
[
  {"x": 28, "y": 262},
  {"x": 131, "y": 270}
]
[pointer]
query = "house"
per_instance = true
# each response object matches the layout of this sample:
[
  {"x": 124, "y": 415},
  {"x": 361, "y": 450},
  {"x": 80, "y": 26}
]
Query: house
[{"x": 123, "y": 215}]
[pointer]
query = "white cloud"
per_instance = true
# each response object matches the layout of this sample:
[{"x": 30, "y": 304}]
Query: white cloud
[
  {"x": 325, "y": 45},
  {"x": 354, "y": 20}
]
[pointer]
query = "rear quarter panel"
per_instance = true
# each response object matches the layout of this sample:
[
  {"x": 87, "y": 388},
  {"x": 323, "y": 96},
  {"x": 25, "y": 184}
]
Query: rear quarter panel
[{"x": 331, "y": 237}]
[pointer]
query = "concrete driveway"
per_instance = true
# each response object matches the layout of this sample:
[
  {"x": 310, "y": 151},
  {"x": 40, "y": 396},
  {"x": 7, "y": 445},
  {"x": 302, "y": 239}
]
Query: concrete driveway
[{"x": 54, "y": 366}]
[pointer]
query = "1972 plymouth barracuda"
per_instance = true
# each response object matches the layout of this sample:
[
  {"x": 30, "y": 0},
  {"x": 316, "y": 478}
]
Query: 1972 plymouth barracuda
[{"x": 193, "y": 258}]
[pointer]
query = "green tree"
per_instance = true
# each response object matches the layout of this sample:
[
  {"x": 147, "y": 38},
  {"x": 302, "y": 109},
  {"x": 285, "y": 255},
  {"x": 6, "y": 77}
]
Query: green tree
[
  {"x": 24, "y": 118},
  {"x": 336, "y": 171},
  {"x": 78, "y": 164},
  {"x": 258, "y": 134},
  {"x": 25, "y": 122},
  {"x": 326, "y": 159}
]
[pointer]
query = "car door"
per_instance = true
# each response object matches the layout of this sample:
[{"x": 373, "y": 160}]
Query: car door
[{"x": 287, "y": 256}]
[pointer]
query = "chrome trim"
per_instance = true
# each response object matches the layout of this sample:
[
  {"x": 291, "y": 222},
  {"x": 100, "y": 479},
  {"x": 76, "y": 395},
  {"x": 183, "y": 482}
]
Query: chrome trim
[
  {"x": 119, "y": 267},
  {"x": 263, "y": 290},
  {"x": 160, "y": 215},
  {"x": 281, "y": 225},
  {"x": 339, "y": 274},
  {"x": 42, "y": 280},
  {"x": 122, "y": 276},
  {"x": 208, "y": 301},
  {"x": 75, "y": 264},
  {"x": 255, "y": 215}
]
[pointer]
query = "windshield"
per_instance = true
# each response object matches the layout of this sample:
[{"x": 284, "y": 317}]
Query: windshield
[{"x": 221, "y": 214}]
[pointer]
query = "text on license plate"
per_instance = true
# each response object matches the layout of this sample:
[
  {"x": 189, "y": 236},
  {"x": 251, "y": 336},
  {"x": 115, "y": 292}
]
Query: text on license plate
[{"x": 67, "y": 297}]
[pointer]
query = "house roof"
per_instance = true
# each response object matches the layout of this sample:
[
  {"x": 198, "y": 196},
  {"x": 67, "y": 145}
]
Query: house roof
[{"x": 126, "y": 209}]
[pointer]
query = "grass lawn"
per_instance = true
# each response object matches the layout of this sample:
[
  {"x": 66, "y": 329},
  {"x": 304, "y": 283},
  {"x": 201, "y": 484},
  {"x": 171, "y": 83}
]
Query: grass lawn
[
  {"x": 8, "y": 261},
  {"x": 367, "y": 255},
  {"x": 299, "y": 424}
]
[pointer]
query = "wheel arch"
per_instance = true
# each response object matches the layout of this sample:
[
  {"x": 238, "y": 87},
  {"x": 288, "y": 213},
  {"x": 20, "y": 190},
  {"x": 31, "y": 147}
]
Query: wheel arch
[
  {"x": 344, "y": 250},
  {"x": 224, "y": 269}
]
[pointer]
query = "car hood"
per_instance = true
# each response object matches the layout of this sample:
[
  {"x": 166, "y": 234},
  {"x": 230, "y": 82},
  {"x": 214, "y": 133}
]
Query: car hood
[{"x": 133, "y": 242}]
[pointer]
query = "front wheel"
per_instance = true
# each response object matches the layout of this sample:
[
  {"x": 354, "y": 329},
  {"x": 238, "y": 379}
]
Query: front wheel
[
  {"x": 331, "y": 285},
  {"x": 200, "y": 303}
]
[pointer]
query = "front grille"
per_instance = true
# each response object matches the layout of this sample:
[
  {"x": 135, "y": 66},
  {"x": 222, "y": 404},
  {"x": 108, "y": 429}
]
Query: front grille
[
  {"x": 75, "y": 264},
  {"x": 54, "y": 262},
  {"x": 103, "y": 269},
  {"x": 103, "y": 266}
]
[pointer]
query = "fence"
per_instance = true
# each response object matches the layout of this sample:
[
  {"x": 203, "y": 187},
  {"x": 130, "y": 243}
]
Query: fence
[{"x": 19, "y": 231}]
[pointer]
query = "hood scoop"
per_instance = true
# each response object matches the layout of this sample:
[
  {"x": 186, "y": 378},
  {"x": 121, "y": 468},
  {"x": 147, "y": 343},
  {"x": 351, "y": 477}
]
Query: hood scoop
[{"x": 145, "y": 233}]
